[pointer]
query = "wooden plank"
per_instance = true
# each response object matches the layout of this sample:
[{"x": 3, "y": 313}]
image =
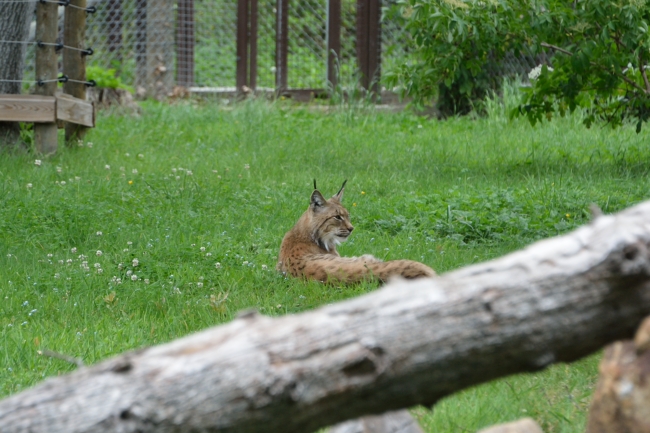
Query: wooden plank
[
  {"x": 27, "y": 108},
  {"x": 75, "y": 110},
  {"x": 252, "y": 83},
  {"x": 281, "y": 45},
  {"x": 74, "y": 62}
]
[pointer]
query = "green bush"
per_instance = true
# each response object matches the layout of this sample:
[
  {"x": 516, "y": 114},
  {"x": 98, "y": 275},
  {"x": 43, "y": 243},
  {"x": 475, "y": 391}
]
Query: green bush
[{"x": 105, "y": 78}]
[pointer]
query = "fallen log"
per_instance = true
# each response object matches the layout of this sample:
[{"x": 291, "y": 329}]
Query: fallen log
[{"x": 408, "y": 343}]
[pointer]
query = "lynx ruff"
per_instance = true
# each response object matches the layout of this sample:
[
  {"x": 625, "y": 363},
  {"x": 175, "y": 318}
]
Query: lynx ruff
[{"x": 308, "y": 250}]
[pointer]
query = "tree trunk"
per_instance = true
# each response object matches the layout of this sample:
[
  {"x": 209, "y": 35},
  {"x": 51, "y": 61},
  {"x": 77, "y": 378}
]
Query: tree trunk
[
  {"x": 14, "y": 26},
  {"x": 408, "y": 343}
]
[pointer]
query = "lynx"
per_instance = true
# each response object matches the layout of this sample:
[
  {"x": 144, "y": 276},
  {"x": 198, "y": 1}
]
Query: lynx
[{"x": 308, "y": 250}]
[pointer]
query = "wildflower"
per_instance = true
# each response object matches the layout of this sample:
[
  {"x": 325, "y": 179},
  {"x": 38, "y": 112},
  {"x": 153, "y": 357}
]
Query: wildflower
[
  {"x": 89, "y": 144},
  {"x": 202, "y": 249},
  {"x": 100, "y": 270},
  {"x": 537, "y": 71},
  {"x": 129, "y": 243},
  {"x": 122, "y": 168},
  {"x": 245, "y": 263},
  {"x": 107, "y": 167},
  {"x": 130, "y": 182},
  {"x": 217, "y": 265},
  {"x": 57, "y": 275},
  {"x": 80, "y": 143},
  {"x": 174, "y": 170},
  {"x": 208, "y": 254},
  {"x": 59, "y": 169},
  {"x": 134, "y": 171},
  {"x": 215, "y": 171},
  {"x": 127, "y": 154},
  {"x": 264, "y": 267},
  {"x": 247, "y": 167},
  {"x": 97, "y": 265},
  {"x": 354, "y": 204},
  {"x": 140, "y": 155},
  {"x": 26, "y": 303},
  {"x": 73, "y": 250},
  {"x": 99, "y": 233},
  {"x": 363, "y": 193},
  {"x": 135, "y": 262},
  {"x": 69, "y": 261},
  {"x": 125, "y": 250},
  {"x": 134, "y": 277},
  {"x": 99, "y": 253},
  {"x": 37, "y": 162},
  {"x": 189, "y": 172},
  {"x": 146, "y": 280},
  {"x": 29, "y": 185},
  {"x": 177, "y": 290},
  {"x": 61, "y": 262},
  {"x": 63, "y": 183},
  {"x": 32, "y": 312},
  {"x": 129, "y": 273},
  {"x": 199, "y": 284},
  {"x": 568, "y": 215},
  {"x": 178, "y": 177},
  {"x": 49, "y": 256}
]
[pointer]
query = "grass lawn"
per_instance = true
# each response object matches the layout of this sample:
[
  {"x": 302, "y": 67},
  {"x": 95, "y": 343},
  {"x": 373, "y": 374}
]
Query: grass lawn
[{"x": 162, "y": 225}]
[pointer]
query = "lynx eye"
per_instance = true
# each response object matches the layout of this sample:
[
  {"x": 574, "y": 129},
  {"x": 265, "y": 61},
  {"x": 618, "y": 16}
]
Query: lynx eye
[{"x": 338, "y": 218}]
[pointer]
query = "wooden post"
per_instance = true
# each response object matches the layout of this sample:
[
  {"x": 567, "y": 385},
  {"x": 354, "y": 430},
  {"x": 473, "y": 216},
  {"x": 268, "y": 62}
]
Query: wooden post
[
  {"x": 45, "y": 134},
  {"x": 242, "y": 44},
  {"x": 141, "y": 46},
  {"x": 333, "y": 41},
  {"x": 185, "y": 43},
  {"x": 74, "y": 62},
  {"x": 281, "y": 45},
  {"x": 369, "y": 43},
  {"x": 160, "y": 42},
  {"x": 252, "y": 83}
]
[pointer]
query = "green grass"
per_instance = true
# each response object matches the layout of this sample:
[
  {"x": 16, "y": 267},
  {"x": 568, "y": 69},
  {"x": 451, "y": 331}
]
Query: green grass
[{"x": 184, "y": 187}]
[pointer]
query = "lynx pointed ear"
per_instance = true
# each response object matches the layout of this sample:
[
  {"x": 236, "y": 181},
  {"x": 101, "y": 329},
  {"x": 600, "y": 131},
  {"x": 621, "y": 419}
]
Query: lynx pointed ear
[
  {"x": 315, "y": 184},
  {"x": 317, "y": 199},
  {"x": 339, "y": 195}
]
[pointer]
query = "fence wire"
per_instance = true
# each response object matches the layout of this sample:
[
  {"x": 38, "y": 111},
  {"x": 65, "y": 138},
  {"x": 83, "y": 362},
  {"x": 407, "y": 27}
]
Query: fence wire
[{"x": 153, "y": 45}]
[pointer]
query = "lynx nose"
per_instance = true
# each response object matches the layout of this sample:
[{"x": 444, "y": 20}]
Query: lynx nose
[{"x": 350, "y": 228}]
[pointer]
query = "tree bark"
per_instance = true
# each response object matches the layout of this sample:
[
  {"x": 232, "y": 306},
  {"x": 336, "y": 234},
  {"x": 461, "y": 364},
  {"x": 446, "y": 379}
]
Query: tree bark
[
  {"x": 408, "y": 343},
  {"x": 14, "y": 26}
]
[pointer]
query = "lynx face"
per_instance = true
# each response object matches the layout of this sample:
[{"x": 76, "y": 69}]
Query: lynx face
[{"x": 331, "y": 221}]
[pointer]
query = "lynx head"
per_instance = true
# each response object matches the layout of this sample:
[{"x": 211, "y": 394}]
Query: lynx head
[{"x": 330, "y": 221}]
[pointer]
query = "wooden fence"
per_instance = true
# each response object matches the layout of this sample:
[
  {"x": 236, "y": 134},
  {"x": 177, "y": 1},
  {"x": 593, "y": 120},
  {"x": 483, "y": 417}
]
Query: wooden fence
[{"x": 47, "y": 108}]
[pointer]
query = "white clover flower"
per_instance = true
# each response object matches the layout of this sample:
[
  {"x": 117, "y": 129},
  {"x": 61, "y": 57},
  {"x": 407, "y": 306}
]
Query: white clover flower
[
  {"x": 134, "y": 277},
  {"x": 140, "y": 155},
  {"x": 129, "y": 243},
  {"x": 32, "y": 312},
  {"x": 63, "y": 182},
  {"x": 264, "y": 267},
  {"x": 50, "y": 255},
  {"x": 146, "y": 280},
  {"x": 59, "y": 169},
  {"x": 73, "y": 250},
  {"x": 100, "y": 270},
  {"x": 217, "y": 265},
  {"x": 178, "y": 177},
  {"x": 89, "y": 144},
  {"x": 127, "y": 154},
  {"x": 135, "y": 262},
  {"x": 125, "y": 250},
  {"x": 29, "y": 185},
  {"x": 189, "y": 172},
  {"x": 99, "y": 253},
  {"x": 107, "y": 167},
  {"x": 61, "y": 262},
  {"x": 199, "y": 284},
  {"x": 26, "y": 303},
  {"x": 99, "y": 233},
  {"x": 37, "y": 162},
  {"x": 134, "y": 171},
  {"x": 208, "y": 254},
  {"x": 69, "y": 261},
  {"x": 97, "y": 265},
  {"x": 245, "y": 263},
  {"x": 174, "y": 170},
  {"x": 77, "y": 178},
  {"x": 120, "y": 266},
  {"x": 129, "y": 273},
  {"x": 247, "y": 167},
  {"x": 202, "y": 249}
]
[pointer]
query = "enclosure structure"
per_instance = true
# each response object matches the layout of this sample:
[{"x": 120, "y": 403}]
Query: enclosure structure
[
  {"x": 290, "y": 47},
  {"x": 47, "y": 108}
]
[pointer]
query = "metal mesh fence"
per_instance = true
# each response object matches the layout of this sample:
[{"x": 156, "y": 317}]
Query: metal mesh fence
[{"x": 153, "y": 45}]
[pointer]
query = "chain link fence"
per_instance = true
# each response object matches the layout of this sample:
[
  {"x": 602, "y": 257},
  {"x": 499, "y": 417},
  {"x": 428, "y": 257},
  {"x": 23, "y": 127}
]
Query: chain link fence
[{"x": 154, "y": 45}]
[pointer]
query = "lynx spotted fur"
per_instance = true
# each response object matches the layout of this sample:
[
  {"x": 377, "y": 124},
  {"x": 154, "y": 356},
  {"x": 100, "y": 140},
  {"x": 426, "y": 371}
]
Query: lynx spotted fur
[{"x": 308, "y": 250}]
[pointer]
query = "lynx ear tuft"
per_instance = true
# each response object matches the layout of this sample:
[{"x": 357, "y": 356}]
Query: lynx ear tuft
[
  {"x": 315, "y": 184},
  {"x": 317, "y": 199},
  {"x": 339, "y": 195}
]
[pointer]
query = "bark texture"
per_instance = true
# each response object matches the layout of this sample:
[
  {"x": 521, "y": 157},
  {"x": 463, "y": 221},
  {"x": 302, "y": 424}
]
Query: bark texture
[
  {"x": 408, "y": 343},
  {"x": 622, "y": 397},
  {"x": 14, "y": 26}
]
